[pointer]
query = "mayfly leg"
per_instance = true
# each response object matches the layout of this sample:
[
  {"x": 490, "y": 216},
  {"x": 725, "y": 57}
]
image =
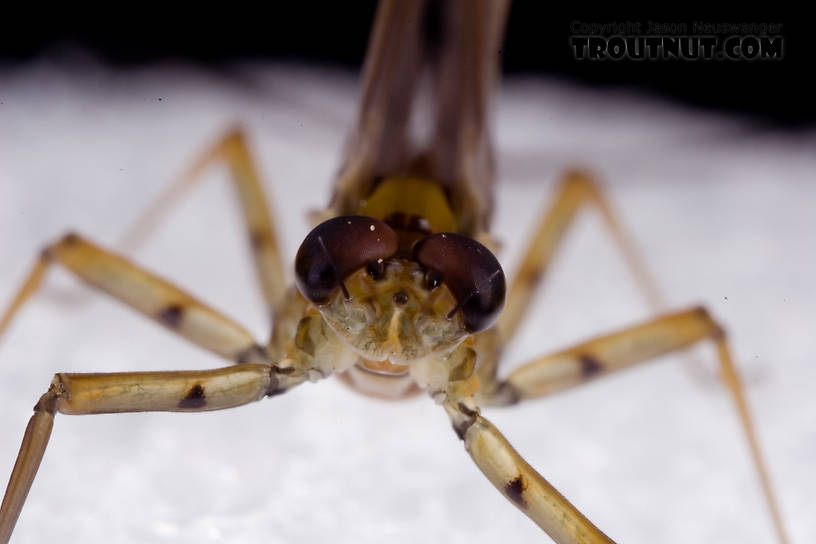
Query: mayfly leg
[
  {"x": 233, "y": 150},
  {"x": 519, "y": 482},
  {"x": 146, "y": 293},
  {"x": 577, "y": 190},
  {"x": 623, "y": 349},
  {"x": 182, "y": 391}
]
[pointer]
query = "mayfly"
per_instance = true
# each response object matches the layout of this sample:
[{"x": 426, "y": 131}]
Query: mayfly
[{"x": 397, "y": 289}]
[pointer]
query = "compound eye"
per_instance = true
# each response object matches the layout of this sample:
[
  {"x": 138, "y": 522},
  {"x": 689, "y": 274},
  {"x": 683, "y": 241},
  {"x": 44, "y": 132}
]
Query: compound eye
[
  {"x": 470, "y": 271},
  {"x": 338, "y": 247}
]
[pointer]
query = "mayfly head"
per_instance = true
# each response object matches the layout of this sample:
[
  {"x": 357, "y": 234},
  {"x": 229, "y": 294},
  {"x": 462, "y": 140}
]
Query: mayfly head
[{"x": 398, "y": 304}]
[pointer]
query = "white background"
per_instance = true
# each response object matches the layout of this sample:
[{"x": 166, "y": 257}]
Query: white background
[{"x": 722, "y": 207}]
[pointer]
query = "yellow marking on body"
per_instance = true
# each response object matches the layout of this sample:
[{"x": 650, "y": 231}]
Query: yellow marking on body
[
  {"x": 393, "y": 340},
  {"x": 411, "y": 196}
]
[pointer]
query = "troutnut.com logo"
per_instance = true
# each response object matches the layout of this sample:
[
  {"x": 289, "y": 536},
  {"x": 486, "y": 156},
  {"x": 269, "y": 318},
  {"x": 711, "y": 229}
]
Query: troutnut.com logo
[{"x": 650, "y": 40}]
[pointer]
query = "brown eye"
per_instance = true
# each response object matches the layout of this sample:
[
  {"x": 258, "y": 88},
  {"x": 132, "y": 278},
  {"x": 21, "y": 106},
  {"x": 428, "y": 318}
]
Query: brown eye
[
  {"x": 470, "y": 271},
  {"x": 336, "y": 248}
]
